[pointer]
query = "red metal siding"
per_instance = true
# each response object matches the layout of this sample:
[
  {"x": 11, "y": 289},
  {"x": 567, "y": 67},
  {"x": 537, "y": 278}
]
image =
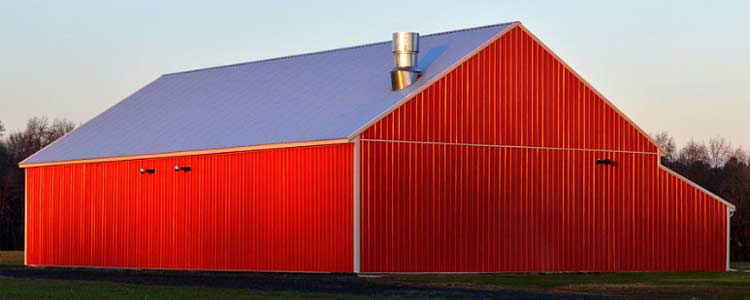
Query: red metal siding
[
  {"x": 483, "y": 201},
  {"x": 447, "y": 208},
  {"x": 513, "y": 92},
  {"x": 279, "y": 210}
]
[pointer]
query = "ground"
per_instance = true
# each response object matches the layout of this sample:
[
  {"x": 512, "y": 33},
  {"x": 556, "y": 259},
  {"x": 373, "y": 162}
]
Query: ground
[
  {"x": 18, "y": 282},
  {"x": 11, "y": 258}
]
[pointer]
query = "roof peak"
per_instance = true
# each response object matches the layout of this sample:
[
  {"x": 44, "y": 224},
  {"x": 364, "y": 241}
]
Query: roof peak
[{"x": 334, "y": 49}]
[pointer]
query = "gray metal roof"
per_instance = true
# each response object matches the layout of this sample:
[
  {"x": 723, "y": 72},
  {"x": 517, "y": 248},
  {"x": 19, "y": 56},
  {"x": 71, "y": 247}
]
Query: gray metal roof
[{"x": 308, "y": 97}]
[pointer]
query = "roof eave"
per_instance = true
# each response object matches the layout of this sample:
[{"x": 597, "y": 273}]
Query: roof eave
[
  {"x": 697, "y": 186},
  {"x": 188, "y": 153},
  {"x": 25, "y": 161}
]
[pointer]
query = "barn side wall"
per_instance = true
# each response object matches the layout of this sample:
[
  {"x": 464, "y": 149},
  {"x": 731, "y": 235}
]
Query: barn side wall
[
  {"x": 275, "y": 210},
  {"x": 493, "y": 169}
]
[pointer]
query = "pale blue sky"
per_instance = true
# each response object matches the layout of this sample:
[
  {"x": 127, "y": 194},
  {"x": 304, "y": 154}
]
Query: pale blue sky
[{"x": 681, "y": 66}]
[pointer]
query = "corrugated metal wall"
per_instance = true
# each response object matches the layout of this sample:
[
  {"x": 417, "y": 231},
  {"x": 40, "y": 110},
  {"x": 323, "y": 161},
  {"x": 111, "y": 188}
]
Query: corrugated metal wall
[
  {"x": 454, "y": 207},
  {"x": 280, "y": 210},
  {"x": 445, "y": 208},
  {"x": 543, "y": 104}
]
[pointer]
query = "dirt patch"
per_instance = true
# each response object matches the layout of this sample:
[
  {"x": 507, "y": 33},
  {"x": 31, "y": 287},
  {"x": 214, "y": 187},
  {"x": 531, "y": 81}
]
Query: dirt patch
[{"x": 11, "y": 258}]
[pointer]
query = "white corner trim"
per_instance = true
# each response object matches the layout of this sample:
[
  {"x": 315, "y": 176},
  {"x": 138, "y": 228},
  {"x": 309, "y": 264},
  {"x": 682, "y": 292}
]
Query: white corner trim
[
  {"x": 357, "y": 199},
  {"x": 25, "y": 217},
  {"x": 730, "y": 212}
]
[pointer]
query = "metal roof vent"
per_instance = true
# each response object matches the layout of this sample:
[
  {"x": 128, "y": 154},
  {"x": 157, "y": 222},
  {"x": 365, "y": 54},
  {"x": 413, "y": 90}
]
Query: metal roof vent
[{"x": 405, "y": 50}]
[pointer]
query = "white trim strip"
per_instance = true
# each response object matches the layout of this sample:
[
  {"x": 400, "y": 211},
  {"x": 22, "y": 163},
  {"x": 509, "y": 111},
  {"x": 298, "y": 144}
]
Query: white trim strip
[
  {"x": 25, "y": 217},
  {"x": 357, "y": 199},
  {"x": 670, "y": 171},
  {"x": 509, "y": 146},
  {"x": 695, "y": 185},
  {"x": 191, "y": 152},
  {"x": 730, "y": 212},
  {"x": 357, "y": 214}
]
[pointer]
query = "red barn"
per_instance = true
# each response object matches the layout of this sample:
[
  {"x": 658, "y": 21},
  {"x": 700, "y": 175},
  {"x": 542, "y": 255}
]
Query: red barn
[{"x": 483, "y": 152}]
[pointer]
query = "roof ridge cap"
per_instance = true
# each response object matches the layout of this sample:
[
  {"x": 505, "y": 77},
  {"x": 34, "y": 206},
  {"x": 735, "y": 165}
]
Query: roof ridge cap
[{"x": 331, "y": 50}]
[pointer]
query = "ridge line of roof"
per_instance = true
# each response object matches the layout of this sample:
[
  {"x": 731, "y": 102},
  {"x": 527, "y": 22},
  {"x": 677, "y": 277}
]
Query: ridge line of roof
[{"x": 332, "y": 50}]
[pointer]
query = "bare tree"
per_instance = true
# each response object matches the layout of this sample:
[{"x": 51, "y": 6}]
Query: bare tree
[
  {"x": 3, "y": 151},
  {"x": 59, "y": 128},
  {"x": 666, "y": 142},
  {"x": 740, "y": 155},
  {"x": 719, "y": 151},
  {"x": 39, "y": 133},
  {"x": 692, "y": 153}
]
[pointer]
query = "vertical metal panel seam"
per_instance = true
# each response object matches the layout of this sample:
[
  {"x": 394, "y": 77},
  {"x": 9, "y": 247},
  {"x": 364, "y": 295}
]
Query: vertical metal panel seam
[
  {"x": 109, "y": 215},
  {"x": 452, "y": 121}
]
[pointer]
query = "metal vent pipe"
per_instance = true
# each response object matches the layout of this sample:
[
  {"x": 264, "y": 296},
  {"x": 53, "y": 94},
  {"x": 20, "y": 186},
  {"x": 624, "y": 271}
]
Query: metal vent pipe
[{"x": 405, "y": 49}]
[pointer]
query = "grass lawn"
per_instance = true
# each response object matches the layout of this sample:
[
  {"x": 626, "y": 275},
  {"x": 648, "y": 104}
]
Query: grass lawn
[
  {"x": 687, "y": 285},
  {"x": 64, "y": 289},
  {"x": 11, "y": 258},
  {"x": 12, "y": 288},
  {"x": 677, "y": 285},
  {"x": 551, "y": 281}
]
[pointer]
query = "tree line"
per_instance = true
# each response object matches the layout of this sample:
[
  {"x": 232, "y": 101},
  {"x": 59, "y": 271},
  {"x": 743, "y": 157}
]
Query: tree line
[
  {"x": 722, "y": 169},
  {"x": 15, "y": 147},
  {"x": 715, "y": 165}
]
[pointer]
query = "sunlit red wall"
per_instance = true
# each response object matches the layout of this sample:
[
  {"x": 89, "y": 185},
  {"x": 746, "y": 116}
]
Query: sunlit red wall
[
  {"x": 493, "y": 169},
  {"x": 278, "y": 210},
  {"x": 512, "y": 93}
]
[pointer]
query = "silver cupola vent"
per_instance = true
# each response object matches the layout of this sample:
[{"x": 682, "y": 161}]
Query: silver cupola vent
[{"x": 405, "y": 50}]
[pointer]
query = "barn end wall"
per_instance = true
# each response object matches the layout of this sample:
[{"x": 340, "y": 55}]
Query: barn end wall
[
  {"x": 266, "y": 210},
  {"x": 448, "y": 208},
  {"x": 493, "y": 169}
]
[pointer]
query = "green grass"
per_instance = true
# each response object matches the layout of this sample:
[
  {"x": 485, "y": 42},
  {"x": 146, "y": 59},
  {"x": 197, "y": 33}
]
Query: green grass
[
  {"x": 63, "y": 290},
  {"x": 550, "y": 281},
  {"x": 678, "y": 285},
  {"x": 11, "y": 258},
  {"x": 11, "y": 288}
]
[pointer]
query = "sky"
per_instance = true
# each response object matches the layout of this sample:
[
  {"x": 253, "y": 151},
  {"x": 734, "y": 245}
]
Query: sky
[{"x": 676, "y": 66}]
